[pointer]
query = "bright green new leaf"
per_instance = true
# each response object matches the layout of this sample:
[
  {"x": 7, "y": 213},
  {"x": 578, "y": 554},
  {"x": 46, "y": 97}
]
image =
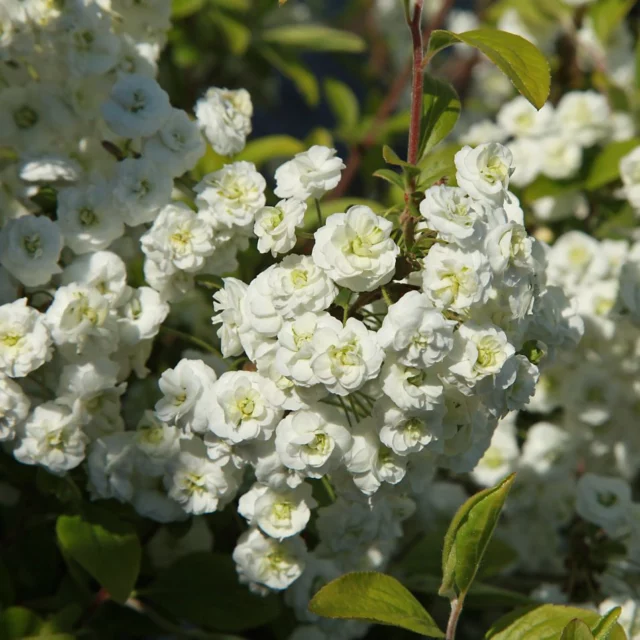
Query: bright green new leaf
[
  {"x": 109, "y": 551},
  {"x": 577, "y": 630},
  {"x": 314, "y": 37},
  {"x": 373, "y": 597},
  {"x": 204, "y": 589},
  {"x": 290, "y": 67},
  {"x": 344, "y": 105},
  {"x": 606, "y": 16},
  {"x": 516, "y": 57},
  {"x": 441, "y": 111},
  {"x": 606, "y": 166},
  {"x": 545, "y": 622},
  {"x": 468, "y": 538},
  {"x": 236, "y": 34},
  {"x": 605, "y": 626},
  {"x": 390, "y": 176},
  {"x": 185, "y": 8},
  {"x": 270, "y": 147},
  {"x": 391, "y": 157}
]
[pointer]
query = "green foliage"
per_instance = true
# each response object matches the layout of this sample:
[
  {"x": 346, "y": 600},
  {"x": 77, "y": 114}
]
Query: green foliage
[
  {"x": 374, "y": 597},
  {"x": 516, "y": 57},
  {"x": 606, "y": 166},
  {"x": 390, "y": 176},
  {"x": 441, "y": 112},
  {"x": 290, "y": 67},
  {"x": 204, "y": 589},
  {"x": 344, "y": 105},
  {"x": 437, "y": 165},
  {"x": 546, "y": 622},
  {"x": 270, "y": 148},
  {"x": 576, "y": 630},
  {"x": 19, "y": 623},
  {"x": 606, "y": 16},
  {"x": 108, "y": 550},
  {"x": 468, "y": 538},
  {"x": 314, "y": 37},
  {"x": 607, "y": 624}
]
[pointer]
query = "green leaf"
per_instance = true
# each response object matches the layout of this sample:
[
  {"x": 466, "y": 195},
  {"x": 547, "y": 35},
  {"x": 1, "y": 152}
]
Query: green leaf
[
  {"x": 204, "y": 589},
  {"x": 544, "y": 622},
  {"x": 606, "y": 16},
  {"x": 314, "y": 37},
  {"x": 185, "y": 8},
  {"x": 390, "y": 176},
  {"x": 320, "y": 136},
  {"x": 606, "y": 166},
  {"x": 344, "y": 105},
  {"x": 236, "y": 34},
  {"x": 542, "y": 187},
  {"x": 441, "y": 112},
  {"x": 18, "y": 623},
  {"x": 391, "y": 157},
  {"x": 437, "y": 165},
  {"x": 270, "y": 147},
  {"x": 373, "y": 597},
  {"x": 576, "y": 630},
  {"x": 468, "y": 538},
  {"x": 239, "y": 6},
  {"x": 109, "y": 551},
  {"x": 516, "y": 57},
  {"x": 290, "y": 67},
  {"x": 604, "y": 628}
]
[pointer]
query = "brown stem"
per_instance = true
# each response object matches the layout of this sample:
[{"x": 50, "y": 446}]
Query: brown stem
[
  {"x": 456, "y": 610},
  {"x": 417, "y": 83}
]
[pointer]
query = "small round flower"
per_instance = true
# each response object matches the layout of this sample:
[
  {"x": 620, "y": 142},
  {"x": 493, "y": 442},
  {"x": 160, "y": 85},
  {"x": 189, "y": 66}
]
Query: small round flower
[
  {"x": 228, "y": 302},
  {"x": 30, "y": 248},
  {"x": 276, "y": 226},
  {"x": 356, "y": 250},
  {"x": 231, "y": 197},
  {"x": 484, "y": 172},
  {"x": 519, "y": 118},
  {"x": 279, "y": 514},
  {"x": 178, "y": 144},
  {"x": 244, "y": 406},
  {"x": 310, "y": 174},
  {"x": 141, "y": 316},
  {"x": 25, "y": 343},
  {"x": 313, "y": 441},
  {"x": 345, "y": 357},
  {"x": 263, "y": 561},
  {"x": 604, "y": 501},
  {"x": 225, "y": 118},
  {"x": 584, "y": 117},
  {"x": 14, "y": 407},
  {"x": 450, "y": 212},
  {"x": 419, "y": 334},
  {"x": 137, "y": 106},
  {"x": 412, "y": 389},
  {"x": 178, "y": 239}
]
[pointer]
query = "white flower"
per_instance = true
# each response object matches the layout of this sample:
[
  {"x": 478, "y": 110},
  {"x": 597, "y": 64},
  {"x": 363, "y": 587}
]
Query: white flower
[
  {"x": 450, "y": 212},
  {"x": 80, "y": 316},
  {"x": 455, "y": 279},
  {"x": 510, "y": 251},
  {"x": 583, "y": 116},
  {"x": 87, "y": 217},
  {"x": 521, "y": 119},
  {"x": 52, "y": 437},
  {"x": 501, "y": 458},
  {"x": 484, "y": 172},
  {"x": 261, "y": 560},
  {"x": 630, "y": 174},
  {"x": 310, "y": 174},
  {"x": 548, "y": 450},
  {"x": 479, "y": 351},
  {"x": 412, "y": 388},
  {"x": 25, "y": 343},
  {"x": 279, "y": 514},
  {"x": 345, "y": 357},
  {"x": 186, "y": 390},
  {"x": 313, "y": 441},
  {"x": 370, "y": 462},
  {"x": 110, "y": 466},
  {"x": 137, "y": 106},
  {"x": 231, "y": 197},
  {"x": 141, "y": 316},
  {"x": 178, "y": 239},
  {"x": 30, "y": 248},
  {"x": 297, "y": 284},
  {"x": 561, "y": 157},
  {"x": 14, "y": 407},
  {"x": 406, "y": 432},
  {"x": 177, "y": 146},
  {"x": 605, "y": 501},
  {"x": 141, "y": 187},
  {"x": 225, "y": 118},
  {"x": 419, "y": 334},
  {"x": 157, "y": 444},
  {"x": 276, "y": 226},
  {"x": 356, "y": 250},
  {"x": 196, "y": 483},
  {"x": 228, "y": 302},
  {"x": 244, "y": 406}
]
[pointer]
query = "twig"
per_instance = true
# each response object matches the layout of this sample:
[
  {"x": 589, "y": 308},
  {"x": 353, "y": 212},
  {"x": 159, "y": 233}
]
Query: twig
[{"x": 456, "y": 610}]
